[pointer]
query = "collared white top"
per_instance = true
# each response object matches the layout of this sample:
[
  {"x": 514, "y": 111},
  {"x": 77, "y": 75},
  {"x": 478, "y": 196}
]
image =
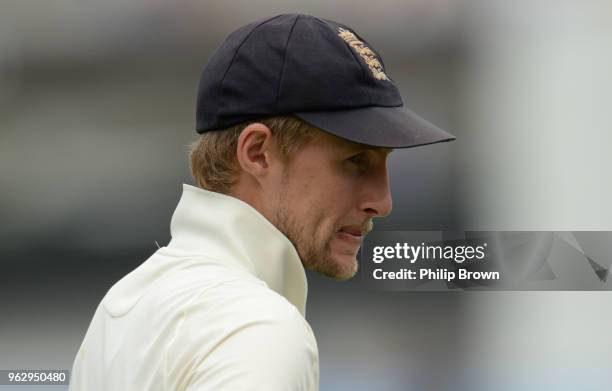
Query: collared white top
[{"x": 221, "y": 307}]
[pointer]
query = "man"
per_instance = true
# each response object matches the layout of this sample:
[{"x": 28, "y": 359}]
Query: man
[{"x": 297, "y": 117}]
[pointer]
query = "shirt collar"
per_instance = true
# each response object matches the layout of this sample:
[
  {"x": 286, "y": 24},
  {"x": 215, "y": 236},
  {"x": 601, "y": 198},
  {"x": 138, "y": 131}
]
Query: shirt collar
[{"x": 215, "y": 224}]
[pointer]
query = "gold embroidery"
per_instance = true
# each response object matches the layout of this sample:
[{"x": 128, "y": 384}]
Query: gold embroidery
[{"x": 365, "y": 52}]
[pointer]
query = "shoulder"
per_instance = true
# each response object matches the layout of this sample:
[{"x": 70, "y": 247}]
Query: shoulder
[
  {"x": 243, "y": 306},
  {"x": 274, "y": 351},
  {"x": 245, "y": 329}
]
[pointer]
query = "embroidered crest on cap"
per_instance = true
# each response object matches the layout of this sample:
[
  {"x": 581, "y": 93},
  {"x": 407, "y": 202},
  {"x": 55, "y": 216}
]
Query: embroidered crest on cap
[{"x": 365, "y": 52}]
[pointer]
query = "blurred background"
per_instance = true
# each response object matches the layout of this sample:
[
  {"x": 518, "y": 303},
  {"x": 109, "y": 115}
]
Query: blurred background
[{"x": 97, "y": 107}]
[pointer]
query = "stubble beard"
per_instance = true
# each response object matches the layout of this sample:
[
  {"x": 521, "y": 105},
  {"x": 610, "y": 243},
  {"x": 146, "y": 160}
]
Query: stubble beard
[{"x": 314, "y": 256}]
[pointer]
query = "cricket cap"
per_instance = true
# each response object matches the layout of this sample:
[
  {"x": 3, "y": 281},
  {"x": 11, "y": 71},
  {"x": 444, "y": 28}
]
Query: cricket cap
[{"x": 319, "y": 70}]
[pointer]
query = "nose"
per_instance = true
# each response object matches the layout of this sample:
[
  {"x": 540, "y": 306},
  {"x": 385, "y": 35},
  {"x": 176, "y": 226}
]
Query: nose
[{"x": 376, "y": 196}]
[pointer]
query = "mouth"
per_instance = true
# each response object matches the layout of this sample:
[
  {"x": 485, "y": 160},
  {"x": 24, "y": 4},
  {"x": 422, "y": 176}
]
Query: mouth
[
  {"x": 352, "y": 234},
  {"x": 353, "y": 230}
]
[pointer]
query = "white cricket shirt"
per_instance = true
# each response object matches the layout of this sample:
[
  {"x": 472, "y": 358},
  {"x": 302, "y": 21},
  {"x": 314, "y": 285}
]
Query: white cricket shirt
[{"x": 221, "y": 307}]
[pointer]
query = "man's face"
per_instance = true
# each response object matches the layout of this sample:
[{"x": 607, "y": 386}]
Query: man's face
[{"x": 325, "y": 200}]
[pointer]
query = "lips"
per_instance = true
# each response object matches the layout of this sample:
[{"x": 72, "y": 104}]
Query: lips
[{"x": 354, "y": 230}]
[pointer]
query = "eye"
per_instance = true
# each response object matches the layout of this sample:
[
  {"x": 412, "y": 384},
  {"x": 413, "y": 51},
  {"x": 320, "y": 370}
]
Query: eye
[
  {"x": 357, "y": 159},
  {"x": 360, "y": 160}
]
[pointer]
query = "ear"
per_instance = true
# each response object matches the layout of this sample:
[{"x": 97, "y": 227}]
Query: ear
[{"x": 255, "y": 149}]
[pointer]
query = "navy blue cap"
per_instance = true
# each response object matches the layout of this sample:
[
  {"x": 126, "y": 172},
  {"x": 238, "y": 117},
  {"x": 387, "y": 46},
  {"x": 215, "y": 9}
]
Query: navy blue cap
[{"x": 319, "y": 70}]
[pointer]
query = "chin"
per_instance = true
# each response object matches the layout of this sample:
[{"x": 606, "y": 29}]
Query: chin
[
  {"x": 335, "y": 263},
  {"x": 343, "y": 267}
]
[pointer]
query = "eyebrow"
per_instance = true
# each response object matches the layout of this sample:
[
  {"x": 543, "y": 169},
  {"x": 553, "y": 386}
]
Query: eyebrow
[
  {"x": 359, "y": 146},
  {"x": 356, "y": 146}
]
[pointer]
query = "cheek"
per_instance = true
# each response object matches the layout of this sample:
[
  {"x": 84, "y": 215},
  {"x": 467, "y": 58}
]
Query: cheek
[
  {"x": 321, "y": 199},
  {"x": 316, "y": 212},
  {"x": 332, "y": 212},
  {"x": 337, "y": 200}
]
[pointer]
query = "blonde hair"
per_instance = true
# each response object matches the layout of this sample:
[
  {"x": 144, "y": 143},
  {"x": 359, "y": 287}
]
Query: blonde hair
[{"x": 213, "y": 156}]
